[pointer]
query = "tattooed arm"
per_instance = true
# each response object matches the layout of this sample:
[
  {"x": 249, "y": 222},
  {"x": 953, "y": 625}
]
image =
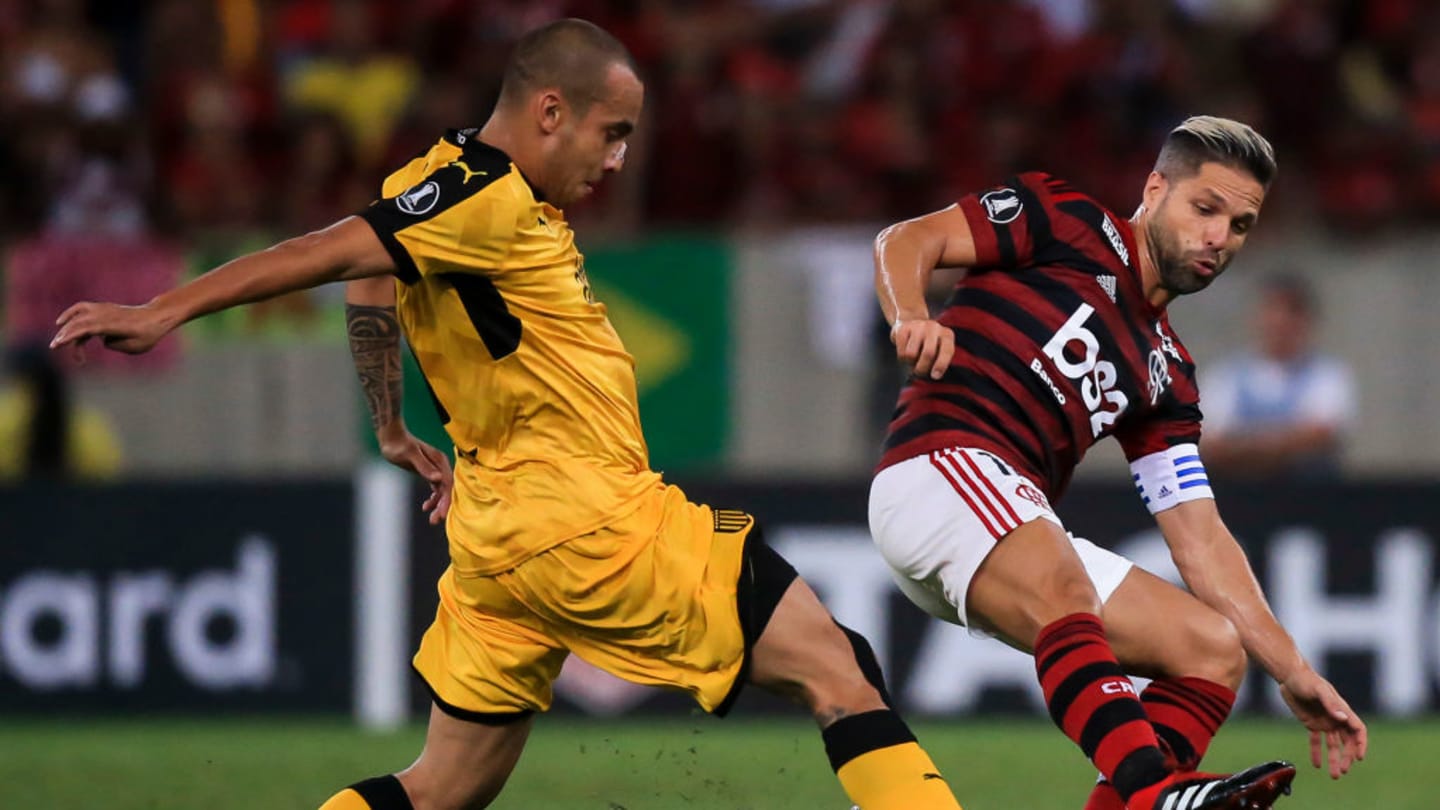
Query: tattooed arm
[
  {"x": 375, "y": 346},
  {"x": 374, "y": 330}
]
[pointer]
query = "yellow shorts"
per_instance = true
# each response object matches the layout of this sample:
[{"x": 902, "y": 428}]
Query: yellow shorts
[{"x": 651, "y": 599}]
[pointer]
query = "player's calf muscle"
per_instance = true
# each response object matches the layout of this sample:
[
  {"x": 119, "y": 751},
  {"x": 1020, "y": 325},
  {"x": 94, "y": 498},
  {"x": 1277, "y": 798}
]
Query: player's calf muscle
[
  {"x": 828, "y": 682},
  {"x": 829, "y": 702}
]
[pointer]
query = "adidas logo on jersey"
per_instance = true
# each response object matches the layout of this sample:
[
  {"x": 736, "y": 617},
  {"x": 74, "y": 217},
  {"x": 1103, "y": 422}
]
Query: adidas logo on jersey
[{"x": 1107, "y": 283}]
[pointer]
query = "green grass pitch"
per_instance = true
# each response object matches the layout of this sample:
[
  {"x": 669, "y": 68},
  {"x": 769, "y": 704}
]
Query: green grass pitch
[{"x": 687, "y": 764}]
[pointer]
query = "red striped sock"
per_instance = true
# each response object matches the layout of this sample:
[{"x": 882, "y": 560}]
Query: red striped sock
[
  {"x": 1092, "y": 701},
  {"x": 1186, "y": 714}
]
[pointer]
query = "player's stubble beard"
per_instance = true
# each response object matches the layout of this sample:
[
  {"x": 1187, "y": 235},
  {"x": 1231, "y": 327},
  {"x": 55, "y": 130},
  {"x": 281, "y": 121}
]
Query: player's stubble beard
[{"x": 1172, "y": 263}]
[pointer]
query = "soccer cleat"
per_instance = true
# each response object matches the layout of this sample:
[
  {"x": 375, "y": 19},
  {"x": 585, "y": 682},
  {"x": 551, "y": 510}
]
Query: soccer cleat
[{"x": 1254, "y": 789}]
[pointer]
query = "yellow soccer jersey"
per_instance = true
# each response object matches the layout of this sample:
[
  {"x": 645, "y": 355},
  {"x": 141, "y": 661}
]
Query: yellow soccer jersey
[{"x": 529, "y": 377}]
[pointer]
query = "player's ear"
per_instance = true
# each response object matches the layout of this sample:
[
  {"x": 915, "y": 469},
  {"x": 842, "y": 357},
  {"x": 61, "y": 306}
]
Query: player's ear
[
  {"x": 549, "y": 111},
  {"x": 1155, "y": 186}
]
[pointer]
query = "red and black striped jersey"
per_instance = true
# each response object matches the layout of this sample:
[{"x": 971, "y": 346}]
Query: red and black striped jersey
[{"x": 1055, "y": 345}]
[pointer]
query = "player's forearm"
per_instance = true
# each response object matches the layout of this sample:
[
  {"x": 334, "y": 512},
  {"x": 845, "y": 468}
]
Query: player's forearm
[
  {"x": 1219, "y": 574},
  {"x": 347, "y": 249},
  {"x": 374, "y": 332},
  {"x": 905, "y": 257}
]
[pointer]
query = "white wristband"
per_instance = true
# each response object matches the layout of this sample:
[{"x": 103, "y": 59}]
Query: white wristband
[{"x": 1171, "y": 477}]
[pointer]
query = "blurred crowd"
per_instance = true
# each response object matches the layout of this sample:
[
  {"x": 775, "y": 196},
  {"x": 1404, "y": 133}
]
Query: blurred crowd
[{"x": 217, "y": 120}]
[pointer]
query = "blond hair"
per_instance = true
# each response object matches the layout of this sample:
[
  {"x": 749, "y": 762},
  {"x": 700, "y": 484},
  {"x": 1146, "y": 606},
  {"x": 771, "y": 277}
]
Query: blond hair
[{"x": 1207, "y": 139}]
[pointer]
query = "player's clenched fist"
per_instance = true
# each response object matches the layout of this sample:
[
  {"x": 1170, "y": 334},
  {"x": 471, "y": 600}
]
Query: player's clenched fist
[
  {"x": 128, "y": 329},
  {"x": 926, "y": 346}
]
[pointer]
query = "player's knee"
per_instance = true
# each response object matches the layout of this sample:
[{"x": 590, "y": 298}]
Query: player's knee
[
  {"x": 1069, "y": 594},
  {"x": 1206, "y": 645},
  {"x": 1224, "y": 654}
]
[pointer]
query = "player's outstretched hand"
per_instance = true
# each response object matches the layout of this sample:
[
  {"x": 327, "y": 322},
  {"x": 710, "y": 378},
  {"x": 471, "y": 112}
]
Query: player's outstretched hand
[
  {"x": 1334, "y": 727},
  {"x": 133, "y": 330},
  {"x": 925, "y": 346},
  {"x": 409, "y": 453}
]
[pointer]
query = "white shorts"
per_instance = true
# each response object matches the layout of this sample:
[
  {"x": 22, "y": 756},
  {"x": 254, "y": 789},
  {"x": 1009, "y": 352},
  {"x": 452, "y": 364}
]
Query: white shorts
[{"x": 936, "y": 517}]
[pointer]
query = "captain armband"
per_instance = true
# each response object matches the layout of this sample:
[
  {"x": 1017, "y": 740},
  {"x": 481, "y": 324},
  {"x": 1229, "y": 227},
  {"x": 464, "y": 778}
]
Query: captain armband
[{"x": 1171, "y": 477}]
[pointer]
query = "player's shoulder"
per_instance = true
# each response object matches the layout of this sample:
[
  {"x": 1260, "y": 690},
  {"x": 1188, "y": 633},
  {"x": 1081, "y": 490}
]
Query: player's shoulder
[
  {"x": 1040, "y": 182},
  {"x": 477, "y": 161},
  {"x": 1022, "y": 187},
  {"x": 1061, "y": 193},
  {"x": 1043, "y": 190},
  {"x": 456, "y": 174},
  {"x": 465, "y": 168}
]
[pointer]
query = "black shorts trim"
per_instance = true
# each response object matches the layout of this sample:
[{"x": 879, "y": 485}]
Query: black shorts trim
[
  {"x": 483, "y": 718},
  {"x": 765, "y": 576}
]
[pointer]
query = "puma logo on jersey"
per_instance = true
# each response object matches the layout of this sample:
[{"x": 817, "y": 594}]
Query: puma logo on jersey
[
  {"x": 469, "y": 173},
  {"x": 420, "y": 199}
]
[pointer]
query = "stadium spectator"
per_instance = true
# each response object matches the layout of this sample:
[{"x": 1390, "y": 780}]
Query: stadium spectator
[
  {"x": 365, "y": 86},
  {"x": 44, "y": 432},
  {"x": 212, "y": 117},
  {"x": 82, "y": 185},
  {"x": 56, "y": 79},
  {"x": 561, "y": 538},
  {"x": 1056, "y": 339},
  {"x": 1282, "y": 407},
  {"x": 916, "y": 100}
]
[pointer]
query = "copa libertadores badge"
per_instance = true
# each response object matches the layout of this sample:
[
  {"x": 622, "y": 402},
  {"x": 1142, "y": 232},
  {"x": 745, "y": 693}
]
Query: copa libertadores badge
[
  {"x": 1002, "y": 205},
  {"x": 420, "y": 199}
]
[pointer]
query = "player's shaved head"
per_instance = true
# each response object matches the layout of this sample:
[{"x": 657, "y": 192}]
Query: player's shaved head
[
  {"x": 1206, "y": 139},
  {"x": 572, "y": 56}
]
